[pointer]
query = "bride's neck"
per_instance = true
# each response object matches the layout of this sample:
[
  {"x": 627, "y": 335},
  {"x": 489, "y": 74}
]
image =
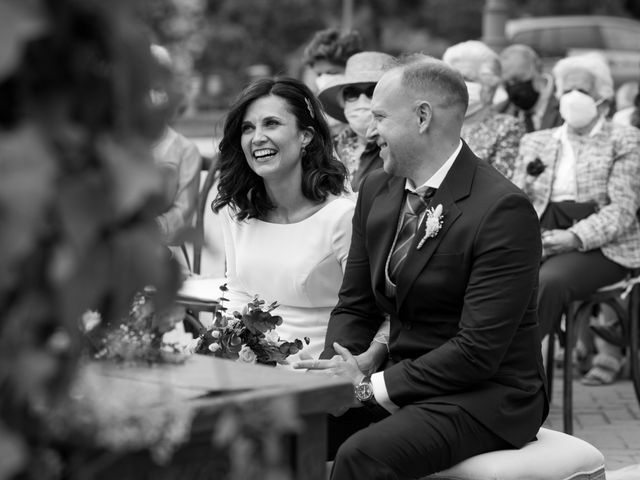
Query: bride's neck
[{"x": 290, "y": 203}]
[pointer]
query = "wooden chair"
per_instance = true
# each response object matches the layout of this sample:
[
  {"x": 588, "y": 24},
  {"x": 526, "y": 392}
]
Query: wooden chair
[
  {"x": 193, "y": 260},
  {"x": 577, "y": 311},
  {"x": 210, "y": 165},
  {"x": 194, "y": 307}
]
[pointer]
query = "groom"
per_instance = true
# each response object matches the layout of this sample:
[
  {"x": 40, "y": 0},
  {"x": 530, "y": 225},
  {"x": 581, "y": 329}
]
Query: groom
[{"x": 450, "y": 249}]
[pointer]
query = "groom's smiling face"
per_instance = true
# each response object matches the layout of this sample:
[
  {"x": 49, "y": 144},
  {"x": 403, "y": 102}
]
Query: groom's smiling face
[{"x": 394, "y": 123}]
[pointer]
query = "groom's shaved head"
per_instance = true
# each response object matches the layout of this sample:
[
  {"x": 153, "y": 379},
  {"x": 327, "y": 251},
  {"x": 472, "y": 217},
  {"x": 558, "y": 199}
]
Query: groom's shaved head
[{"x": 423, "y": 75}]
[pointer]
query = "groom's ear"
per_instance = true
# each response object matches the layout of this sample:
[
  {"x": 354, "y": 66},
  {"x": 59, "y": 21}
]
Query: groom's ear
[{"x": 424, "y": 113}]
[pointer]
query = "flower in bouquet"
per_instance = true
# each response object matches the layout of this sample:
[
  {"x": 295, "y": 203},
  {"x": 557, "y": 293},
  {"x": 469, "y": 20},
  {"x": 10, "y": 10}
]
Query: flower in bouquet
[{"x": 248, "y": 336}]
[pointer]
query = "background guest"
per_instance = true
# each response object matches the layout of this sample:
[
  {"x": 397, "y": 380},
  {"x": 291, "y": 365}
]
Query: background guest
[
  {"x": 627, "y": 100},
  {"x": 328, "y": 51},
  {"x": 584, "y": 181},
  {"x": 286, "y": 216},
  {"x": 326, "y": 56},
  {"x": 347, "y": 98},
  {"x": 530, "y": 92},
  {"x": 176, "y": 156},
  {"x": 492, "y": 136}
]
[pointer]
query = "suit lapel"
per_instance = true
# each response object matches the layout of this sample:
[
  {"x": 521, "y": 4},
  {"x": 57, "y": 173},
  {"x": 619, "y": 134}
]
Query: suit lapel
[
  {"x": 455, "y": 186},
  {"x": 381, "y": 227}
]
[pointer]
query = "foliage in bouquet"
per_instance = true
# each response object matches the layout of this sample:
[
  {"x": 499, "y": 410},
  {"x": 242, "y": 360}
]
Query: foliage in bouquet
[{"x": 249, "y": 336}]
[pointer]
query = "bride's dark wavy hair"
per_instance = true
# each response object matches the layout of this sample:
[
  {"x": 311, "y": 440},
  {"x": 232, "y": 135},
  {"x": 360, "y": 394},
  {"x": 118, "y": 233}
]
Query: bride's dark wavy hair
[{"x": 322, "y": 172}]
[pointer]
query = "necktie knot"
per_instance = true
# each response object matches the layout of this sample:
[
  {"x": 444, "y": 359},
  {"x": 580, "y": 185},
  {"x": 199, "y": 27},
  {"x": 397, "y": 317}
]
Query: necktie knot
[{"x": 417, "y": 201}]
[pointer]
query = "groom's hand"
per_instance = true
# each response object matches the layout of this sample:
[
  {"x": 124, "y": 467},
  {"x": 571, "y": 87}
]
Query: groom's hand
[{"x": 343, "y": 364}]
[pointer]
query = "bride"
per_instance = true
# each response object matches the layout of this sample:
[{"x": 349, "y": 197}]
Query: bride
[{"x": 286, "y": 212}]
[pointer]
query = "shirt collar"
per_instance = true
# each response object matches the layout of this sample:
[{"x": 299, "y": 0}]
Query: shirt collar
[{"x": 436, "y": 179}]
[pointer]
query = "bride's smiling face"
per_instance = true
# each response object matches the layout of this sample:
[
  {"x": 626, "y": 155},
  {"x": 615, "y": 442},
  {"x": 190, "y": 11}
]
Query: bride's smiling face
[{"x": 271, "y": 140}]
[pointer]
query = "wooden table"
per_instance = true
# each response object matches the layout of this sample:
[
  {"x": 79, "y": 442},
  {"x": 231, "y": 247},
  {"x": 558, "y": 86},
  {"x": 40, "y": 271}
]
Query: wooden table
[{"x": 209, "y": 385}]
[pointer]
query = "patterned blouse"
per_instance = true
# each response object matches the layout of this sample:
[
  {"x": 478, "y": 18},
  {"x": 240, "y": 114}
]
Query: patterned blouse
[
  {"x": 495, "y": 139},
  {"x": 349, "y": 150}
]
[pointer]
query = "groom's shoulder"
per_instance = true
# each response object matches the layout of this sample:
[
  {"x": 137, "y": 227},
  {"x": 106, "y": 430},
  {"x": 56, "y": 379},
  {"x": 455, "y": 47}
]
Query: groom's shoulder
[
  {"x": 490, "y": 182},
  {"x": 377, "y": 177},
  {"x": 373, "y": 183}
]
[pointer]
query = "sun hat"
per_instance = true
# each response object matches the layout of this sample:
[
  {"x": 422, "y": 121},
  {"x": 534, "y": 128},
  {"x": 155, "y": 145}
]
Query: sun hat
[{"x": 363, "y": 67}]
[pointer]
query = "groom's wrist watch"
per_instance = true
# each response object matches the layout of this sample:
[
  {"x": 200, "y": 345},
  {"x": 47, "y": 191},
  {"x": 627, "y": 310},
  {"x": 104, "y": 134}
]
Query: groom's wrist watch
[{"x": 364, "y": 392}]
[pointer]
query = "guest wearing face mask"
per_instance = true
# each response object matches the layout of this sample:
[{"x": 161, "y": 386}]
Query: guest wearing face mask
[
  {"x": 583, "y": 179},
  {"x": 529, "y": 91},
  {"x": 492, "y": 136},
  {"x": 325, "y": 57},
  {"x": 348, "y": 99}
]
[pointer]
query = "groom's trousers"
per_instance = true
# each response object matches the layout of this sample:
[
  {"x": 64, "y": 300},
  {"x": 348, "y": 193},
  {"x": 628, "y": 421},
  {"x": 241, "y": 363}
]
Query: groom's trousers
[{"x": 415, "y": 441}]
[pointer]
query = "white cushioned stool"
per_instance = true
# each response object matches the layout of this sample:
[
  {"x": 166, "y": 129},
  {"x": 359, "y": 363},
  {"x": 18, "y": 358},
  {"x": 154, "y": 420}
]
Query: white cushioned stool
[{"x": 554, "y": 456}]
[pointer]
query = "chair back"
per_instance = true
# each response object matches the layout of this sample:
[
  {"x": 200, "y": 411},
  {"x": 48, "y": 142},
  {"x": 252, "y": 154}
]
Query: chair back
[{"x": 210, "y": 164}]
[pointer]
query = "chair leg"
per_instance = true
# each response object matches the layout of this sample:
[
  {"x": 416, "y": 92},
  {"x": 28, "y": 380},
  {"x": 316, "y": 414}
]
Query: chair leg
[
  {"x": 634, "y": 338},
  {"x": 567, "y": 384},
  {"x": 551, "y": 347}
]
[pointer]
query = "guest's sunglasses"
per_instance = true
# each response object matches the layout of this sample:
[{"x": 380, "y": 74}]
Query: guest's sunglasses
[{"x": 352, "y": 93}]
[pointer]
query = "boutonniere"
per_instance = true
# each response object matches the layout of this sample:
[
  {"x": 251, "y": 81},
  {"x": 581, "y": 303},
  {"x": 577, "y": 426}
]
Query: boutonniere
[
  {"x": 432, "y": 224},
  {"x": 535, "y": 167}
]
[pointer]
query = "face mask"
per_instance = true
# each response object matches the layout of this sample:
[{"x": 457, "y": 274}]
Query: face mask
[
  {"x": 475, "y": 98},
  {"x": 522, "y": 94},
  {"x": 578, "y": 109},
  {"x": 358, "y": 114},
  {"x": 325, "y": 79}
]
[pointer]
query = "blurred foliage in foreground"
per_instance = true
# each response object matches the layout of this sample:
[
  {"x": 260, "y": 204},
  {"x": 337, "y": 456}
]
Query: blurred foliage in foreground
[{"x": 78, "y": 196}]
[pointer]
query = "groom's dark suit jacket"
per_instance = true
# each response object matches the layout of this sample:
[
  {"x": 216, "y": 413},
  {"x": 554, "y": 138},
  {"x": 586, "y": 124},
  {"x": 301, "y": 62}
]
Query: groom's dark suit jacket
[{"x": 464, "y": 326}]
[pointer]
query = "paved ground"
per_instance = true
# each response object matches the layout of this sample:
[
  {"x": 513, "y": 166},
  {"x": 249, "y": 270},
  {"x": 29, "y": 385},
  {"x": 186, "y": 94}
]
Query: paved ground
[{"x": 608, "y": 417}]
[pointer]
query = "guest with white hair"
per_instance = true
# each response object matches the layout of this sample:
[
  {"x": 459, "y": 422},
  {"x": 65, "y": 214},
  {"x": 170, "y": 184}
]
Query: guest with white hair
[
  {"x": 492, "y": 136},
  {"x": 584, "y": 181}
]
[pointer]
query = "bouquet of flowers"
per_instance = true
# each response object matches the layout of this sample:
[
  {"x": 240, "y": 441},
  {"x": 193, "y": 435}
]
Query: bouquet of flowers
[{"x": 248, "y": 336}]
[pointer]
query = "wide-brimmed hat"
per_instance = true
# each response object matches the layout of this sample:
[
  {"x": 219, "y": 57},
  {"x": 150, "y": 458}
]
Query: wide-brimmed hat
[{"x": 363, "y": 67}]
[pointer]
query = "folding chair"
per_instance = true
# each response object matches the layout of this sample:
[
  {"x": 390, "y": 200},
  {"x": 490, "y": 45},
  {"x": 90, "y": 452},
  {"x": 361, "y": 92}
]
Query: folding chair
[{"x": 574, "y": 312}]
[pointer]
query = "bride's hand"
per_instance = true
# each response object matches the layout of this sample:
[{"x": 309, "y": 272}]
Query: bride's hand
[{"x": 343, "y": 364}]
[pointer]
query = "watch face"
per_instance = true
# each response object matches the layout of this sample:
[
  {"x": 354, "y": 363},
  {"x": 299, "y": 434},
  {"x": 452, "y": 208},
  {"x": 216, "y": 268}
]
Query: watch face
[{"x": 364, "y": 391}]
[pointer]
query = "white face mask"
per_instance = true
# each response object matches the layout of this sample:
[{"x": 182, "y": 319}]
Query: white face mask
[
  {"x": 578, "y": 109},
  {"x": 475, "y": 98},
  {"x": 358, "y": 114}
]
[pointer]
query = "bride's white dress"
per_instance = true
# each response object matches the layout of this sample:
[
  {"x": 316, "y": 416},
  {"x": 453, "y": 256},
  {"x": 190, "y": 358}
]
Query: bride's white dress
[{"x": 299, "y": 265}]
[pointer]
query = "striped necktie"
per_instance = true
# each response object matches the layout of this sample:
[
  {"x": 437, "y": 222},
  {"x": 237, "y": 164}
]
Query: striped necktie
[{"x": 414, "y": 206}]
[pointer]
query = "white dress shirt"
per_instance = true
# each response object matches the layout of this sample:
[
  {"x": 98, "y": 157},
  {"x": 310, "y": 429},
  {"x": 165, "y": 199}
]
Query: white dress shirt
[{"x": 565, "y": 186}]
